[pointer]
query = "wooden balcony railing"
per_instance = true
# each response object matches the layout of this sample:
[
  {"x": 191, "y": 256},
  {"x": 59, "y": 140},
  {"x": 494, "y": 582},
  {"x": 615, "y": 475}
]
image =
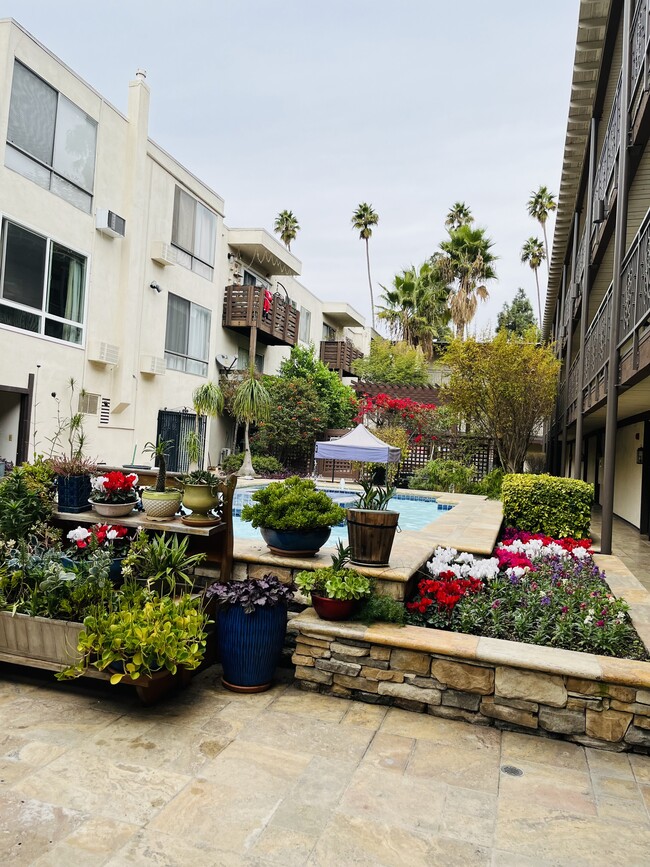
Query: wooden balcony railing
[
  {"x": 572, "y": 390},
  {"x": 639, "y": 61},
  {"x": 339, "y": 355},
  {"x": 635, "y": 286},
  {"x": 597, "y": 351},
  {"x": 605, "y": 180},
  {"x": 243, "y": 309}
]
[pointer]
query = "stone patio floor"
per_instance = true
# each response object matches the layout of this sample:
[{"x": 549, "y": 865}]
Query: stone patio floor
[{"x": 89, "y": 777}]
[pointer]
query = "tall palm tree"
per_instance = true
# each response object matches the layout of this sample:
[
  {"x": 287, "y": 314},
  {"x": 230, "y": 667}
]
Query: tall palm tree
[
  {"x": 207, "y": 400},
  {"x": 251, "y": 404},
  {"x": 533, "y": 253},
  {"x": 540, "y": 205},
  {"x": 417, "y": 308},
  {"x": 287, "y": 227},
  {"x": 468, "y": 263},
  {"x": 363, "y": 219},
  {"x": 458, "y": 215}
]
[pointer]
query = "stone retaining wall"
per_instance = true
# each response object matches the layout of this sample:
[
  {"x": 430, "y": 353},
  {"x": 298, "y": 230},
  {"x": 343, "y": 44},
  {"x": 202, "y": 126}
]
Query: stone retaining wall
[{"x": 534, "y": 689}]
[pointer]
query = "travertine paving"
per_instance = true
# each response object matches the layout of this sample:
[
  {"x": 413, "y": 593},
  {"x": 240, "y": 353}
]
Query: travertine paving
[{"x": 88, "y": 777}]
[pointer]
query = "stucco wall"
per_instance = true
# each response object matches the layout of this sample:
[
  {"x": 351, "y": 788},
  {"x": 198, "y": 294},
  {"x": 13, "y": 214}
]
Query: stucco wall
[{"x": 628, "y": 474}]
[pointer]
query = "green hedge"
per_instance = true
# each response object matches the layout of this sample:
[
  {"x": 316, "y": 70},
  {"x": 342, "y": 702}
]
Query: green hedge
[
  {"x": 262, "y": 464},
  {"x": 547, "y": 504},
  {"x": 444, "y": 475}
]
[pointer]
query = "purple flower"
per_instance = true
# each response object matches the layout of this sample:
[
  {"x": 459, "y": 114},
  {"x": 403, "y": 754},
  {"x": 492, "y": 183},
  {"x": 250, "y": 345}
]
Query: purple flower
[{"x": 545, "y": 600}]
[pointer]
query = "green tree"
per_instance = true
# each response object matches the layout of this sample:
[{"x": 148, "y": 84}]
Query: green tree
[
  {"x": 504, "y": 389},
  {"x": 251, "y": 405},
  {"x": 458, "y": 215},
  {"x": 518, "y": 317},
  {"x": 416, "y": 307},
  {"x": 207, "y": 401},
  {"x": 468, "y": 263},
  {"x": 339, "y": 399},
  {"x": 532, "y": 253},
  {"x": 363, "y": 219},
  {"x": 287, "y": 227},
  {"x": 393, "y": 363},
  {"x": 540, "y": 205},
  {"x": 297, "y": 417}
]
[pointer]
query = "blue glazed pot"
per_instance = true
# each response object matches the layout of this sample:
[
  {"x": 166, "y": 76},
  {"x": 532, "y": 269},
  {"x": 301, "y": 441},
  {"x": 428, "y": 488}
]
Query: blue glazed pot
[
  {"x": 250, "y": 646},
  {"x": 73, "y": 493},
  {"x": 296, "y": 543}
]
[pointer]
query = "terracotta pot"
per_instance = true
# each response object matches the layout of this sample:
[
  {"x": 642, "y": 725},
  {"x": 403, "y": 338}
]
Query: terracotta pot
[{"x": 333, "y": 609}]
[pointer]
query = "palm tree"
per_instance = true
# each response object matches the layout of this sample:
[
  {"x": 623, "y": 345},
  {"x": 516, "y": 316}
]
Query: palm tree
[
  {"x": 533, "y": 253},
  {"x": 540, "y": 205},
  {"x": 287, "y": 227},
  {"x": 467, "y": 262},
  {"x": 207, "y": 400},
  {"x": 363, "y": 219},
  {"x": 251, "y": 404},
  {"x": 417, "y": 308},
  {"x": 459, "y": 215}
]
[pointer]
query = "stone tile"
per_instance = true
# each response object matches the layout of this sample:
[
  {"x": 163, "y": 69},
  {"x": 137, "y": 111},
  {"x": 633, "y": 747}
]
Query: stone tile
[
  {"x": 86, "y": 781},
  {"x": 458, "y": 853},
  {"x": 264, "y": 768},
  {"x": 641, "y": 767},
  {"x": 367, "y": 716},
  {"x": 622, "y": 809},
  {"x": 469, "y": 815},
  {"x": 19, "y": 757},
  {"x": 617, "y": 788},
  {"x": 277, "y": 845},
  {"x": 29, "y": 827},
  {"x": 48, "y": 720},
  {"x": 310, "y": 704},
  {"x": 562, "y": 789},
  {"x": 442, "y": 731},
  {"x": 391, "y": 752},
  {"x": 501, "y": 858},
  {"x": 517, "y": 748},
  {"x": 152, "y": 847},
  {"x": 460, "y": 765},
  {"x": 604, "y": 763},
  {"x": 88, "y": 845}
]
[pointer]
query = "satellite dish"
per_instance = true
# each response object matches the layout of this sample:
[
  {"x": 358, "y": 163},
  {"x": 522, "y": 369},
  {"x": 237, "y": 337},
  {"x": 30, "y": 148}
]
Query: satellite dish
[{"x": 226, "y": 362}]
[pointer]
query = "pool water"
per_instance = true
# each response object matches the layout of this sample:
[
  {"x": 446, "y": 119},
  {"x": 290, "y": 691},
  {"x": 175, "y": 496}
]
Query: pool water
[{"x": 415, "y": 512}]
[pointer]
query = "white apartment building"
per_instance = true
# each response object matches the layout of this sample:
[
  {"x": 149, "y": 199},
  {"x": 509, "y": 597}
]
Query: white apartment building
[{"x": 118, "y": 270}]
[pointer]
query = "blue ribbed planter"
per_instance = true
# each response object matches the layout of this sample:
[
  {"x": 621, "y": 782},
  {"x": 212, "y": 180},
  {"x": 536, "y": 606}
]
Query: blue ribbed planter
[
  {"x": 73, "y": 493},
  {"x": 296, "y": 543},
  {"x": 250, "y": 646}
]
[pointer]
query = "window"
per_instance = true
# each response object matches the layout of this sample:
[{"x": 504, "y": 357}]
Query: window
[
  {"x": 329, "y": 333},
  {"x": 42, "y": 285},
  {"x": 51, "y": 140},
  {"x": 304, "y": 330},
  {"x": 243, "y": 360},
  {"x": 187, "y": 342},
  {"x": 194, "y": 233},
  {"x": 251, "y": 279}
]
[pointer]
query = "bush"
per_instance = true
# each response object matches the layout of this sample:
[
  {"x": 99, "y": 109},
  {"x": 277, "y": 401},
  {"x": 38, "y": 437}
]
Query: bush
[
  {"x": 490, "y": 485},
  {"x": 294, "y": 504},
  {"x": 547, "y": 504},
  {"x": 444, "y": 475},
  {"x": 264, "y": 465},
  {"x": 381, "y": 609}
]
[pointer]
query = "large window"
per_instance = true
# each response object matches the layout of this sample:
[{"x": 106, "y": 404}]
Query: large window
[
  {"x": 194, "y": 233},
  {"x": 304, "y": 329},
  {"x": 187, "y": 342},
  {"x": 42, "y": 285},
  {"x": 50, "y": 140}
]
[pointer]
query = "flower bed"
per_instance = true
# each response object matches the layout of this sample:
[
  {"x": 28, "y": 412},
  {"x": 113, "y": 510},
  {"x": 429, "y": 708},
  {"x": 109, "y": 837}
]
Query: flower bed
[{"x": 534, "y": 589}]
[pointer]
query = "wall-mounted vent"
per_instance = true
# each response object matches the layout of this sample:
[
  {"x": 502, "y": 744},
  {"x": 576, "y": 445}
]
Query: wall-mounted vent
[
  {"x": 110, "y": 224},
  {"x": 163, "y": 254},
  {"x": 105, "y": 411},
  {"x": 104, "y": 353},
  {"x": 88, "y": 403},
  {"x": 152, "y": 365}
]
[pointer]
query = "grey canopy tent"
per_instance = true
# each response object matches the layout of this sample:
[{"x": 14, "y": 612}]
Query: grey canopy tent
[{"x": 358, "y": 445}]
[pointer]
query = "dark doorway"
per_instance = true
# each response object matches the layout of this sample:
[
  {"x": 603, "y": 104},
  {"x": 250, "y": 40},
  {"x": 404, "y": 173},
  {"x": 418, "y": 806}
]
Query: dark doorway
[{"x": 174, "y": 428}]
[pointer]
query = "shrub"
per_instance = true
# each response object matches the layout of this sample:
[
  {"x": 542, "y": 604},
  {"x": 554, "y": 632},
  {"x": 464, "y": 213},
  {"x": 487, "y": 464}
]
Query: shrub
[
  {"x": 490, "y": 484},
  {"x": 547, "y": 504},
  {"x": 381, "y": 609},
  {"x": 294, "y": 504},
  {"x": 444, "y": 475},
  {"x": 264, "y": 465}
]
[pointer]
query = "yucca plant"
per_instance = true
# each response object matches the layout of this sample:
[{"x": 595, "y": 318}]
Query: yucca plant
[
  {"x": 251, "y": 404},
  {"x": 158, "y": 453},
  {"x": 207, "y": 400}
]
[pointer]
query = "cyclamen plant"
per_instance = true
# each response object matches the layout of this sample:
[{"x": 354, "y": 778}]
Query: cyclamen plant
[
  {"x": 111, "y": 537},
  {"x": 114, "y": 487},
  {"x": 252, "y": 594}
]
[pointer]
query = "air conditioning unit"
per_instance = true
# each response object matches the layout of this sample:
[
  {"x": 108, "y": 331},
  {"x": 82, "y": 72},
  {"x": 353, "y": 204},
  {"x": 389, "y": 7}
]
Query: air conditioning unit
[
  {"x": 152, "y": 365},
  {"x": 225, "y": 453},
  {"x": 109, "y": 223},
  {"x": 163, "y": 254},
  {"x": 88, "y": 403},
  {"x": 104, "y": 353}
]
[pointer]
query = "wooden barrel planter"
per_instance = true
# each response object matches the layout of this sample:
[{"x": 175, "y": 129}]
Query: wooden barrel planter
[{"x": 370, "y": 535}]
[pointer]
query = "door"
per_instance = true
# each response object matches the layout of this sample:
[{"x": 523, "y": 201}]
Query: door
[{"x": 174, "y": 427}]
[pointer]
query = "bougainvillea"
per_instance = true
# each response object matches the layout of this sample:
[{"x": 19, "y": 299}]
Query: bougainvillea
[{"x": 419, "y": 419}]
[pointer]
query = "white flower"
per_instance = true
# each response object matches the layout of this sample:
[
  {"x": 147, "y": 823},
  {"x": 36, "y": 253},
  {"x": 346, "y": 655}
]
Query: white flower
[
  {"x": 445, "y": 554},
  {"x": 97, "y": 483},
  {"x": 581, "y": 553},
  {"x": 589, "y": 618},
  {"x": 620, "y": 616},
  {"x": 485, "y": 570},
  {"x": 111, "y": 534},
  {"x": 515, "y": 571},
  {"x": 465, "y": 557},
  {"x": 79, "y": 534}
]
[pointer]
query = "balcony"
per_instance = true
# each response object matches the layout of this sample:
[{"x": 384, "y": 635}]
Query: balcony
[
  {"x": 605, "y": 181},
  {"x": 339, "y": 355},
  {"x": 597, "y": 353},
  {"x": 639, "y": 68},
  {"x": 243, "y": 310}
]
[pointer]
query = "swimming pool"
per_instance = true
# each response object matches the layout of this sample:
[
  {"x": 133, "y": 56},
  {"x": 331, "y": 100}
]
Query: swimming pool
[{"x": 415, "y": 512}]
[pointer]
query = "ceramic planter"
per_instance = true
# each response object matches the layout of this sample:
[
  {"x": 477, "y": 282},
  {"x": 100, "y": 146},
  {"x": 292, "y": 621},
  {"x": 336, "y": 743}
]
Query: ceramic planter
[
  {"x": 295, "y": 543},
  {"x": 112, "y": 510},
  {"x": 333, "y": 609},
  {"x": 201, "y": 500},
  {"x": 73, "y": 493},
  {"x": 250, "y": 646},
  {"x": 371, "y": 534},
  {"x": 161, "y": 505}
]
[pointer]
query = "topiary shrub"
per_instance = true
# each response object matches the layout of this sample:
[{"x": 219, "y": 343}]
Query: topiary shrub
[
  {"x": 294, "y": 504},
  {"x": 547, "y": 504},
  {"x": 264, "y": 465},
  {"x": 444, "y": 475}
]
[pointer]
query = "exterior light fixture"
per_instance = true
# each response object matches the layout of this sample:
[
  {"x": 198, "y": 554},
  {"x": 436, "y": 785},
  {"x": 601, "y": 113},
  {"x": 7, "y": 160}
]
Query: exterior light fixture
[{"x": 639, "y": 455}]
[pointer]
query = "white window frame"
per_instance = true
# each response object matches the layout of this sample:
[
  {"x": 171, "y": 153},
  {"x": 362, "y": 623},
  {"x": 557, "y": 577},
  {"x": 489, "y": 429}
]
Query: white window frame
[
  {"x": 53, "y": 172},
  {"x": 185, "y": 257},
  {"x": 42, "y": 311},
  {"x": 170, "y": 354},
  {"x": 301, "y": 325}
]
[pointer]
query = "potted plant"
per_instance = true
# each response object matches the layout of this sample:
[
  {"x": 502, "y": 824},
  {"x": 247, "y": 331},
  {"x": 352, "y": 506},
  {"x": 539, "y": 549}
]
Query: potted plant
[
  {"x": 295, "y": 519},
  {"x": 372, "y": 526},
  {"x": 114, "y": 495},
  {"x": 112, "y": 538},
  {"x": 161, "y": 562},
  {"x": 201, "y": 496},
  {"x": 146, "y": 637},
  {"x": 160, "y": 502},
  {"x": 72, "y": 469},
  {"x": 335, "y": 591},
  {"x": 251, "y": 627}
]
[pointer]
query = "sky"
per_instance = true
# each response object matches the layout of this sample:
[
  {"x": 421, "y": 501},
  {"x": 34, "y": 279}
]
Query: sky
[{"x": 409, "y": 105}]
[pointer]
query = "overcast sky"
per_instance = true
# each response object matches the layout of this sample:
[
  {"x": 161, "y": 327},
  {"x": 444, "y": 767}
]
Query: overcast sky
[{"x": 316, "y": 106}]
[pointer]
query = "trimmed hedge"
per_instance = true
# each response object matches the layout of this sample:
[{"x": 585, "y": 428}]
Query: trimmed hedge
[
  {"x": 265, "y": 465},
  {"x": 546, "y": 504}
]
